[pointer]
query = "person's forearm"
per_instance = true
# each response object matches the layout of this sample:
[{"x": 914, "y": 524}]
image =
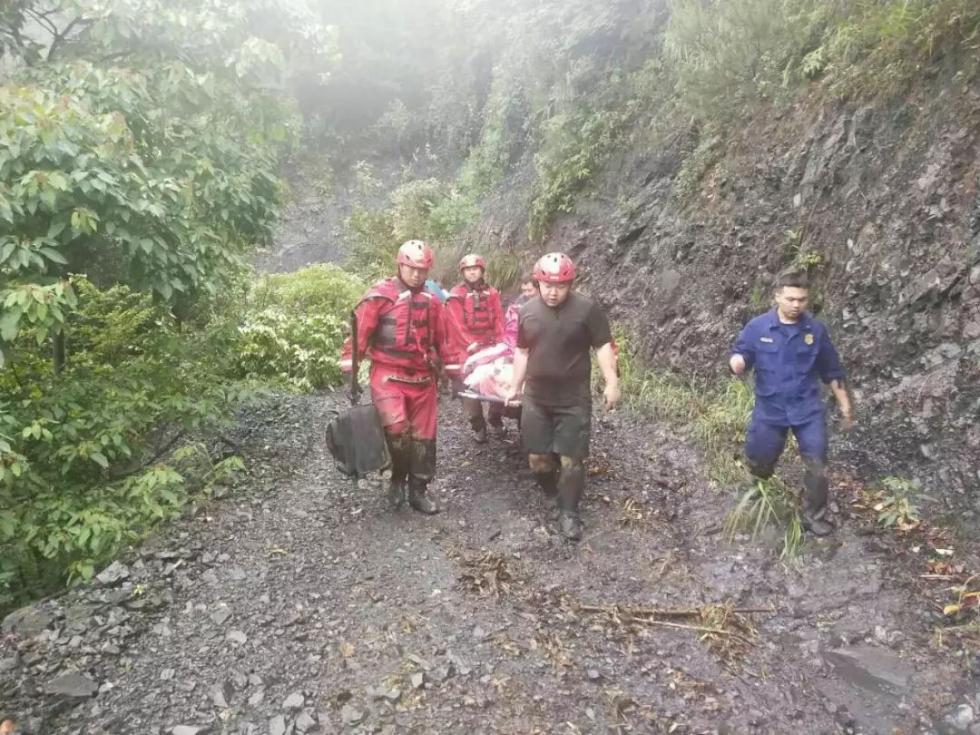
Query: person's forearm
[
  {"x": 606, "y": 357},
  {"x": 840, "y": 393},
  {"x": 520, "y": 368}
]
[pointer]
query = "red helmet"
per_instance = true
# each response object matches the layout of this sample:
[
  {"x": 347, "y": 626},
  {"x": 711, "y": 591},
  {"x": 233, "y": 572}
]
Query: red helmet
[
  {"x": 416, "y": 254},
  {"x": 554, "y": 268},
  {"x": 472, "y": 261}
]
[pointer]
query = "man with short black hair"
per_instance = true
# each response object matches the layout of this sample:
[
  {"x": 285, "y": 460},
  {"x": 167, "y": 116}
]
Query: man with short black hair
[
  {"x": 557, "y": 330},
  {"x": 791, "y": 353}
]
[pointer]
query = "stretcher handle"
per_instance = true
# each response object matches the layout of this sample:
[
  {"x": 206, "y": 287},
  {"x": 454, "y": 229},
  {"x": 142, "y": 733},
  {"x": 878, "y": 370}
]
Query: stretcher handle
[{"x": 490, "y": 399}]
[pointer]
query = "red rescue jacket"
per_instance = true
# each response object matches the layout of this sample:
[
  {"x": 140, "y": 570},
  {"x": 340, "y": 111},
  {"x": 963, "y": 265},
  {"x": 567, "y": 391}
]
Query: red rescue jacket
[
  {"x": 474, "y": 318},
  {"x": 398, "y": 327}
]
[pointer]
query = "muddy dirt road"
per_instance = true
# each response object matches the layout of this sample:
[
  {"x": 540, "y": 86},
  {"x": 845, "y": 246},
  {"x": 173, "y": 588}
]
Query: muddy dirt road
[{"x": 298, "y": 603}]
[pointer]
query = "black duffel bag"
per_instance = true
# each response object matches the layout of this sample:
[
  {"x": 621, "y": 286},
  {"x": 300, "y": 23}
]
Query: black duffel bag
[{"x": 355, "y": 438}]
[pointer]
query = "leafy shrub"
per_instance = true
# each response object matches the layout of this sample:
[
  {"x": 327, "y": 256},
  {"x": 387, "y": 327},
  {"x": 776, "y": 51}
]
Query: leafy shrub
[
  {"x": 881, "y": 46},
  {"x": 574, "y": 147},
  {"x": 295, "y": 326},
  {"x": 730, "y": 54},
  {"x": 81, "y": 451}
]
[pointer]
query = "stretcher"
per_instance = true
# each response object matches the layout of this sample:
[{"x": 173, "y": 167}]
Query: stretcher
[{"x": 489, "y": 399}]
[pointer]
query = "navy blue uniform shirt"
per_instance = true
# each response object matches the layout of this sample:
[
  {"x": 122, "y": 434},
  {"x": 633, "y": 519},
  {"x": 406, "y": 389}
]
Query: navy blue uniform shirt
[{"x": 789, "y": 360}]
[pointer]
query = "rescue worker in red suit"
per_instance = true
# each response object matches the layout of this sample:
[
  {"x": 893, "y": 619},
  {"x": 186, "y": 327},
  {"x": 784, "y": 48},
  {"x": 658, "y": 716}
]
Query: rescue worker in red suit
[
  {"x": 474, "y": 320},
  {"x": 401, "y": 330}
]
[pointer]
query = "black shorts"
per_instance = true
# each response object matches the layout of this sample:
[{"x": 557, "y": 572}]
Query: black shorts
[{"x": 563, "y": 430}]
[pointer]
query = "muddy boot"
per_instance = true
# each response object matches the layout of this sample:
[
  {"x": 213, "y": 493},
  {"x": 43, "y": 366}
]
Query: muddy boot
[
  {"x": 422, "y": 471},
  {"x": 814, "y": 506},
  {"x": 417, "y": 497},
  {"x": 473, "y": 410},
  {"x": 495, "y": 420},
  {"x": 571, "y": 485},
  {"x": 399, "y": 446},
  {"x": 396, "y": 496},
  {"x": 548, "y": 484},
  {"x": 570, "y": 526}
]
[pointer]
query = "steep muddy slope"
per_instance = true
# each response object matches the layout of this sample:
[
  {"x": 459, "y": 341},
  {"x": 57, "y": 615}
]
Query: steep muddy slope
[{"x": 882, "y": 203}]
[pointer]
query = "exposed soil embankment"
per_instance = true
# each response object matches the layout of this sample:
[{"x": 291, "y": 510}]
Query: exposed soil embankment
[{"x": 882, "y": 204}]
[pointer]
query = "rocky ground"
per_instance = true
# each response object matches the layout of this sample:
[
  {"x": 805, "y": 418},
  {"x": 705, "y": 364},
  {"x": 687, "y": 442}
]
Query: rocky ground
[{"x": 298, "y": 604}]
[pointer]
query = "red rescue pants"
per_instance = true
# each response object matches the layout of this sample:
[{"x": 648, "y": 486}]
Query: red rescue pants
[{"x": 407, "y": 401}]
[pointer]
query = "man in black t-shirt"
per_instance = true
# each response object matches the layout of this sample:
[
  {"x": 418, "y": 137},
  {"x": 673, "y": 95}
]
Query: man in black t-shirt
[{"x": 557, "y": 330}]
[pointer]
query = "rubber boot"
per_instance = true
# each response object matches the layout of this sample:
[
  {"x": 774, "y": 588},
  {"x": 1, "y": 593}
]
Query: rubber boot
[
  {"x": 417, "y": 490},
  {"x": 495, "y": 421},
  {"x": 571, "y": 485},
  {"x": 423, "y": 469},
  {"x": 399, "y": 446},
  {"x": 473, "y": 410},
  {"x": 814, "y": 506}
]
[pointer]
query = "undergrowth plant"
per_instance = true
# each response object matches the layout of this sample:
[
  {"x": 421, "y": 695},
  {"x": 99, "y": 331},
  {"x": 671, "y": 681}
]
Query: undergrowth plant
[
  {"x": 763, "y": 504},
  {"x": 717, "y": 415},
  {"x": 85, "y": 455},
  {"x": 894, "y": 504},
  {"x": 294, "y": 327}
]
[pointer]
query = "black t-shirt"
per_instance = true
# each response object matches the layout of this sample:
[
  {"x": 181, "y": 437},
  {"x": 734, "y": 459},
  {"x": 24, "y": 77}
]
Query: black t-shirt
[{"x": 558, "y": 341}]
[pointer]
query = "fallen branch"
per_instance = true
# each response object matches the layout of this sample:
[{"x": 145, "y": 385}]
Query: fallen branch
[{"x": 655, "y": 612}]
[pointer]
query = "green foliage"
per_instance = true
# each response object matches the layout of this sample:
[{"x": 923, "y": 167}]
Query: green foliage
[
  {"x": 730, "y": 54},
  {"x": 879, "y": 47},
  {"x": 574, "y": 147},
  {"x": 804, "y": 258},
  {"x": 895, "y": 507},
  {"x": 696, "y": 165},
  {"x": 80, "y": 474},
  {"x": 248, "y": 37},
  {"x": 118, "y": 185},
  {"x": 295, "y": 326},
  {"x": 427, "y": 209},
  {"x": 766, "y": 503},
  {"x": 716, "y": 414}
]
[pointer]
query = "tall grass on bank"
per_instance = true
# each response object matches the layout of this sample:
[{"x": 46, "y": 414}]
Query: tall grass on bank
[{"x": 716, "y": 415}]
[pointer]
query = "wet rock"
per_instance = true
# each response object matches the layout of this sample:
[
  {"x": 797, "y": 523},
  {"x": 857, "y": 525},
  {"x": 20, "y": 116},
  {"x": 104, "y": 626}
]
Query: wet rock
[
  {"x": 236, "y": 636},
  {"x": 443, "y": 673},
  {"x": 221, "y": 694},
  {"x": 26, "y": 622},
  {"x": 72, "y": 685},
  {"x": 113, "y": 574},
  {"x": 190, "y": 730},
  {"x": 962, "y": 718},
  {"x": 871, "y": 668},
  {"x": 351, "y": 715},
  {"x": 390, "y": 694},
  {"x": 277, "y": 725},
  {"x": 294, "y": 702},
  {"x": 305, "y": 722}
]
